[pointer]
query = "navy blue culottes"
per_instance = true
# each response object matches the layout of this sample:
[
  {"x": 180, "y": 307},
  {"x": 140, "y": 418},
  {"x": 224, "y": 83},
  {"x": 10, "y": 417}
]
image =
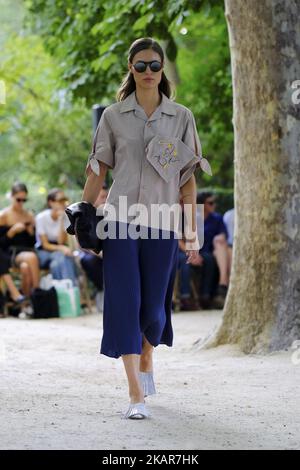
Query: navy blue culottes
[{"x": 138, "y": 276}]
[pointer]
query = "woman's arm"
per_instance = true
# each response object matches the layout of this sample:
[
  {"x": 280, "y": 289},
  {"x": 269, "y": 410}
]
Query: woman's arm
[
  {"x": 30, "y": 224},
  {"x": 46, "y": 245},
  {"x": 93, "y": 184},
  {"x": 6, "y": 235},
  {"x": 188, "y": 195},
  {"x": 3, "y": 233}
]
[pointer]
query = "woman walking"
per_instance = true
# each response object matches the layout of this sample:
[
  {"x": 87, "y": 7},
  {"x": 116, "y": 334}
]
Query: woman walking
[{"x": 151, "y": 144}]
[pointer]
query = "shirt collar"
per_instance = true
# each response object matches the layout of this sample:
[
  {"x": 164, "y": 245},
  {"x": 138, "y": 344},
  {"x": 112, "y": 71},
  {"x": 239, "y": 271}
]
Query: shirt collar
[{"x": 130, "y": 103}]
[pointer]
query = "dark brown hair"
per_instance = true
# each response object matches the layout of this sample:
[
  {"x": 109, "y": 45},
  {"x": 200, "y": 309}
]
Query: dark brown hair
[
  {"x": 18, "y": 187},
  {"x": 51, "y": 196},
  {"x": 128, "y": 84},
  {"x": 203, "y": 195}
]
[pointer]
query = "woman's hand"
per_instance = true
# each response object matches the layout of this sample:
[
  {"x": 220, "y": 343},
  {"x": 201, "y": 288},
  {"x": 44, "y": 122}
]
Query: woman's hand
[
  {"x": 65, "y": 250},
  {"x": 197, "y": 260},
  {"x": 16, "y": 228},
  {"x": 192, "y": 256},
  {"x": 192, "y": 248}
]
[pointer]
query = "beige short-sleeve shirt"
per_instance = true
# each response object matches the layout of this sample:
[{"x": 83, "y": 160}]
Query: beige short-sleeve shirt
[{"x": 150, "y": 157}]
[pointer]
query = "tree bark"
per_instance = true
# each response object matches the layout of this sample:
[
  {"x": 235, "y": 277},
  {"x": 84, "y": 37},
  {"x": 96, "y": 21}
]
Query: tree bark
[
  {"x": 170, "y": 67},
  {"x": 262, "y": 309}
]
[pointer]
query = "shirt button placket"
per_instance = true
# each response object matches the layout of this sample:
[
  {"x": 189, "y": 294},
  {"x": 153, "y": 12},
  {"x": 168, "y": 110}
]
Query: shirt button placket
[
  {"x": 143, "y": 183},
  {"x": 148, "y": 135}
]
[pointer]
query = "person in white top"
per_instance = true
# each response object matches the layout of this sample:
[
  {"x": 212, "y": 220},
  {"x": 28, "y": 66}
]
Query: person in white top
[{"x": 52, "y": 249}]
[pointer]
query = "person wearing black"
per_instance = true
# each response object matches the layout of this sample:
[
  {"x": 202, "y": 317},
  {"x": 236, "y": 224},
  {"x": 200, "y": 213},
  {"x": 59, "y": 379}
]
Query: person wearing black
[
  {"x": 17, "y": 238},
  {"x": 213, "y": 255}
]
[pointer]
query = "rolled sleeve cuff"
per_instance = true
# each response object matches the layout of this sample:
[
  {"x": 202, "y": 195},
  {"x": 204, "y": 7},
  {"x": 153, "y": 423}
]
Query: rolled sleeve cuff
[
  {"x": 104, "y": 156},
  {"x": 192, "y": 140},
  {"x": 102, "y": 148},
  {"x": 188, "y": 172}
]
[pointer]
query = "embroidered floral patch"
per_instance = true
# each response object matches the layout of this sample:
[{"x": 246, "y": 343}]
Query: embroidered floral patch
[{"x": 167, "y": 155}]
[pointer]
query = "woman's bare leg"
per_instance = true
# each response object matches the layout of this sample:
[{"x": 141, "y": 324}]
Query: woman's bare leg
[
  {"x": 14, "y": 292},
  {"x": 146, "y": 358},
  {"x": 33, "y": 264},
  {"x": 131, "y": 363},
  {"x": 221, "y": 255},
  {"x": 26, "y": 278}
]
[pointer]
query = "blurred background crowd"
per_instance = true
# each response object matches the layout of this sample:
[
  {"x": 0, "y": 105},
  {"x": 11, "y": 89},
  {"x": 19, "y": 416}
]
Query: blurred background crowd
[{"x": 32, "y": 244}]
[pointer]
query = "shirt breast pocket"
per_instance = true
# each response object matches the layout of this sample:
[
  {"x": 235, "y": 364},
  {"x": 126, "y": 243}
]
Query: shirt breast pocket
[{"x": 168, "y": 156}]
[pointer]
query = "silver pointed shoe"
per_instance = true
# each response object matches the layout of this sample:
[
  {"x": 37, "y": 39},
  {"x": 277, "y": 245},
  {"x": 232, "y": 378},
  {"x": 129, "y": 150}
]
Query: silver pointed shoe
[
  {"x": 136, "y": 411},
  {"x": 147, "y": 382}
]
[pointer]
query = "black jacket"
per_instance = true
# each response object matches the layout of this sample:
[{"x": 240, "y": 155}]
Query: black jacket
[{"x": 83, "y": 224}]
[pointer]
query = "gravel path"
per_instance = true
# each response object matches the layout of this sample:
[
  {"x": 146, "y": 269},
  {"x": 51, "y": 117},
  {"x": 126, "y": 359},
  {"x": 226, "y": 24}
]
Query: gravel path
[{"x": 57, "y": 392}]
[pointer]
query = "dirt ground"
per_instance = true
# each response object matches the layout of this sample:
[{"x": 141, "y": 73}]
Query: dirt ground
[{"x": 58, "y": 392}]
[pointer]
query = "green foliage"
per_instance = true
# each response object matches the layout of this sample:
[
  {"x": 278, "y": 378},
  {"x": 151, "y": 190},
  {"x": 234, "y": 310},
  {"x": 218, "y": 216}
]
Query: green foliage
[
  {"x": 205, "y": 87},
  {"x": 45, "y": 127},
  {"x": 89, "y": 37},
  {"x": 90, "y": 40},
  {"x": 44, "y": 139}
]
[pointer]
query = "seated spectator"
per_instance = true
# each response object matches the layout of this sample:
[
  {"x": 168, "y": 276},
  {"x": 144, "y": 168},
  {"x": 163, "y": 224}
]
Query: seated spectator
[
  {"x": 52, "y": 238},
  {"x": 213, "y": 255},
  {"x": 17, "y": 238},
  {"x": 228, "y": 219}
]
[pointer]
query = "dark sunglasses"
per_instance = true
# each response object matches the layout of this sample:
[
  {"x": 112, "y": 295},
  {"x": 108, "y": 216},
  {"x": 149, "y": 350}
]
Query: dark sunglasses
[
  {"x": 141, "y": 66},
  {"x": 211, "y": 203},
  {"x": 62, "y": 199},
  {"x": 19, "y": 199}
]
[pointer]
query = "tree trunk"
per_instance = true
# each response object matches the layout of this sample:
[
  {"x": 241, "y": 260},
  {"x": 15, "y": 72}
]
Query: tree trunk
[
  {"x": 262, "y": 309},
  {"x": 170, "y": 67}
]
